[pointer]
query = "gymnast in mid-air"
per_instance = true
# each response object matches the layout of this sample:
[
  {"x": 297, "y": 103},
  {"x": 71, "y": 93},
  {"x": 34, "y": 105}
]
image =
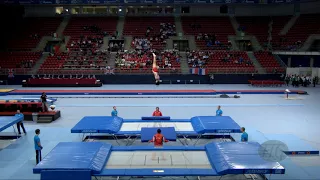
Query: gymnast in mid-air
[{"x": 155, "y": 69}]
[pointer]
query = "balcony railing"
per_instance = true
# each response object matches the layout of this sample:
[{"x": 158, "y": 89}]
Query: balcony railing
[{"x": 93, "y": 71}]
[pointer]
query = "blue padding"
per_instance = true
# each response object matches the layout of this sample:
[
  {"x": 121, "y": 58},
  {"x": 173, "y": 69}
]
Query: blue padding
[
  {"x": 240, "y": 158},
  {"x": 214, "y": 124},
  {"x": 168, "y": 132},
  {"x": 98, "y": 124},
  {"x": 76, "y": 156},
  {"x": 7, "y": 121},
  {"x": 65, "y": 175},
  {"x": 156, "y": 118},
  {"x": 143, "y": 121},
  {"x": 152, "y": 148},
  {"x": 152, "y": 172}
]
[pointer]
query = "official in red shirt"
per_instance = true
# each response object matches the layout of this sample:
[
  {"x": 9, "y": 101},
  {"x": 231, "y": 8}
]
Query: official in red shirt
[{"x": 157, "y": 112}]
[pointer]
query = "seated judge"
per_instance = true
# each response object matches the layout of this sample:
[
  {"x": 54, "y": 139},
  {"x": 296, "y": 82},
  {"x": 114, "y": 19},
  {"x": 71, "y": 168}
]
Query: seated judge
[{"x": 157, "y": 112}]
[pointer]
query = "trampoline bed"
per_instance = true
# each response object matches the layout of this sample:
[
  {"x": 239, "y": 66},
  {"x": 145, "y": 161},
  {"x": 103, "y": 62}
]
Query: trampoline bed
[{"x": 83, "y": 160}]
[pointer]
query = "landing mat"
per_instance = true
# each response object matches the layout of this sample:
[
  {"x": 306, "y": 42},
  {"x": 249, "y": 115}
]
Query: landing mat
[{"x": 149, "y": 92}]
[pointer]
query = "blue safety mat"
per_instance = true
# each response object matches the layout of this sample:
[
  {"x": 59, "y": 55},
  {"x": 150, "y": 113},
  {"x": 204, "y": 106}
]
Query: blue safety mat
[
  {"x": 240, "y": 158},
  {"x": 76, "y": 156},
  {"x": 225, "y": 158},
  {"x": 168, "y": 132},
  {"x": 98, "y": 124},
  {"x": 155, "y": 118},
  {"x": 295, "y": 145},
  {"x": 7, "y": 121},
  {"x": 214, "y": 124}
]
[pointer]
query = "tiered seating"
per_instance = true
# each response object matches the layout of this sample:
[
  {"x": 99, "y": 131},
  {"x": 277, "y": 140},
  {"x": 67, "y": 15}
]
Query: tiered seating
[
  {"x": 304, "y": 26},
  {"x": 19, "y": 59},
  {"x": 31, "y": 32},
  {"x": 266, "y": 83},
  {"x": 130, "y": 62},
  {"x": 268, "y": 61},
  {"x": 259, "y": 26},
  {"x": 76, "y": 28},
  {"x": 216, "y": 63},
  {"x": 52, "y": 63},
  {"x": 137, "y": 26},
  {"x": 220, "y": 26},
  {"x": 278, "y": 24}
]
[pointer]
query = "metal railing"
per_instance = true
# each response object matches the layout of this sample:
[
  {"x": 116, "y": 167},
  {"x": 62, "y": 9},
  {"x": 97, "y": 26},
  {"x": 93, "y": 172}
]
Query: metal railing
[{"x": 97, "y": 71}]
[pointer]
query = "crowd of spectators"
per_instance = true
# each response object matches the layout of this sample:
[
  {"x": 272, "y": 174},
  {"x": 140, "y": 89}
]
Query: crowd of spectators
[
  {"x": 25, "y": 64},
  {"x": 143, "y": 59},
  {"x": 86, "y": 42},
  {"x": 141, "y": 44},
  {"x": 152, "y": 37},
  {"x": 98, "y": 31},
  {"x": 198, "y": 58},
  {"x": 87, "y": 59},
  {"x": 116, "y": 46},
  {"x": 236, "y": 59},
  {"x": 212, "y": 41},
  {"x": 201, "y": 58}
]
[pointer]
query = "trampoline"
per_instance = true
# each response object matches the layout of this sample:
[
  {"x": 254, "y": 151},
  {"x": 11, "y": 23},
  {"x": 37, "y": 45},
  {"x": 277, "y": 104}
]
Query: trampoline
[
  {"x": 134, "y": 128},
  {"x": 7, "y": 121},
  {"x": 29, "y": 99},
  {"x": 82, "y": 160}
]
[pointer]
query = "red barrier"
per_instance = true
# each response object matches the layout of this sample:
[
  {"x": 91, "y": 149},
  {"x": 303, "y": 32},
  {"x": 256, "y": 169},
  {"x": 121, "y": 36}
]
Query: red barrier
[
  {"x": 20, "y": 104},
  {"x": 61, "y": 81},
  {"x": 266, "y": 83}
]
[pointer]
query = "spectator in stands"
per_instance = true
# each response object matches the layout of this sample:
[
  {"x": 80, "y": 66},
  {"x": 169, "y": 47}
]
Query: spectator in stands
[
  {"x": 114, "y": 112},
  {"x": 157, "y": 112},
  {"x": 37, "y": 146},
  {"x": 219, "y": 112},
  {"x": 20, "y": 124},
  {"x": 244, "y": 136},
  {"x": 44, "y": 102}
]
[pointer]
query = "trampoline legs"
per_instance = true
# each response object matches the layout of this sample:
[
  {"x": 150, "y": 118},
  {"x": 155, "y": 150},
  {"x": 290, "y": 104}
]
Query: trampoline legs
[
  {"x": 198, "y": 138},
  {"x": 15, "y": 132},
  {"x": 115, "y": 138},
  {"x": 83, "y": 137}
]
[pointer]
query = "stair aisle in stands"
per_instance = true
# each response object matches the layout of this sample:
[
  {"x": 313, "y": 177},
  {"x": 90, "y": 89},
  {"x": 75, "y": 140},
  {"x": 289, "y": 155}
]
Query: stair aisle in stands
[
  {"x": 38, "y": 64},
  {"x": 179, "y": 29},
  {"x": 120, "y": 26},
  {"x": 184, "y": 63},
  {"x": 63, "y": 26},
  {"x": 256, "y": 63}
]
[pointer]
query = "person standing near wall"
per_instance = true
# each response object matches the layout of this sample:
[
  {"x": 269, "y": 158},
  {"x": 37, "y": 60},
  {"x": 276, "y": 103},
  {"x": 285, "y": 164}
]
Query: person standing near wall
[{"x": 37, "y": 146}]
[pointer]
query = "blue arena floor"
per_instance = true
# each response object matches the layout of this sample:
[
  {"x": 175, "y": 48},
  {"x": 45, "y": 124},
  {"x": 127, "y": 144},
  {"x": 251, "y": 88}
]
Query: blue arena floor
[{"x": 262, "y": 115}]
